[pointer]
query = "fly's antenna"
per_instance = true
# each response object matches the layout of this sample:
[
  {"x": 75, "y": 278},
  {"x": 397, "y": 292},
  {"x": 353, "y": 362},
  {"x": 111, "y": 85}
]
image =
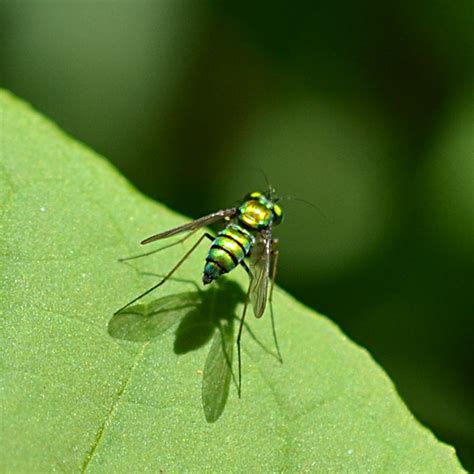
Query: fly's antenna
[
  {"x": 295, "y": 198},
  {"x": 265, "y": 177},
  {"x": 271, "y": 189}
]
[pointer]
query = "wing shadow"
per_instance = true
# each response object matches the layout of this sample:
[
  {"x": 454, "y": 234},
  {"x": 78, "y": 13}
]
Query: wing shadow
[{"x": 200, "y": 317}]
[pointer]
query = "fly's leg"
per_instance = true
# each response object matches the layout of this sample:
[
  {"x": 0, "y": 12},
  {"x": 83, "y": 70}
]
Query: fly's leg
[
  {"x": 133, "y": 257},
  {"x": 276, "y": 254},
  {"x": 168, "y": 275},
  {"x": 241, "y": 326}
]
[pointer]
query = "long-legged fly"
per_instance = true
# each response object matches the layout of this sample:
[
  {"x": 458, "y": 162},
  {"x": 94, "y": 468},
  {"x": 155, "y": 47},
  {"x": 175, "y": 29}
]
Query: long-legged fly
[{"x": 247, "y": 241}]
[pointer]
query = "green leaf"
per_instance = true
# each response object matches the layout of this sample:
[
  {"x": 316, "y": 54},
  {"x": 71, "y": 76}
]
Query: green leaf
[
  {"x": 83, "y": 390},
  {"x": 144, "y": 322},
  {"x": 201, "y": 315},
  {"x": 217, "y": 372}
]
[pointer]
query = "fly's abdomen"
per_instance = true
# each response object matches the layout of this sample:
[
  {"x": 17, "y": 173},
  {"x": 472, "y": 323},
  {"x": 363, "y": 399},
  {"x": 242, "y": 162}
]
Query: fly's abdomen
[{"x": 228, "y": 249}]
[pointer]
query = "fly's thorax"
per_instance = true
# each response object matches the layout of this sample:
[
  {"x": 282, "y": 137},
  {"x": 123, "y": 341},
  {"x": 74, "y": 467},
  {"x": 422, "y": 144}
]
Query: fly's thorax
[
  {"x": 255, "y": 215},
  {"x": 259, "y": 211}
]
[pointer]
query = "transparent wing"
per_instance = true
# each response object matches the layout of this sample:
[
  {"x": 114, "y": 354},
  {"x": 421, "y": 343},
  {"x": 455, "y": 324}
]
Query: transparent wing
[
  {"x": 260, "y": 268},
  {"x": 206, "y": 220}
]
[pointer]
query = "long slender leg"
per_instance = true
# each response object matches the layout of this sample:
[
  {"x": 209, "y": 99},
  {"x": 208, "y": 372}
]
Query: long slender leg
[
  {"x": 168, "y": 275},
  {"x": 275, "y": 254},
  {"x": 247, "y": 327},
  {"x": 241, "y": 326},
  {"x": 246, "y": 268},
  {"x": 159, "y": 249}
]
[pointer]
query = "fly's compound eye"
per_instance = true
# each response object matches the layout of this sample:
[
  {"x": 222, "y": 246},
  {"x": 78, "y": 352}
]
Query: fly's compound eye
[{"x": 277, "y": 214}]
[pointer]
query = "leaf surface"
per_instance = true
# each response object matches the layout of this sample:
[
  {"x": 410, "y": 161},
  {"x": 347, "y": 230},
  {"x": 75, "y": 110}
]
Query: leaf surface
[{"x": 75, "y": 395}]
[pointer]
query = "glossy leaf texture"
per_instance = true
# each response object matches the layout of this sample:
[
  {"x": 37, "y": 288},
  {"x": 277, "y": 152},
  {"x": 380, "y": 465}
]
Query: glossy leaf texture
[{"x": 82, "y": 389}]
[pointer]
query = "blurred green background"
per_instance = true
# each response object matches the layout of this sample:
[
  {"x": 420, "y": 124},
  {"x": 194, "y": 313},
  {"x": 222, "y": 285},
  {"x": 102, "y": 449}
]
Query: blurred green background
[{"x": 365, "y": 109}]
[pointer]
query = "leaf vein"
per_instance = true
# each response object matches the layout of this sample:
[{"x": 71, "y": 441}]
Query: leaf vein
[{"x": 113, "y": 409}]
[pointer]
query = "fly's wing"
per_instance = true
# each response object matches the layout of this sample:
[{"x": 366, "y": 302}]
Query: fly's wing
[
  {"x": 260, "y": 268},
  {"x": 194, "y": 225}
]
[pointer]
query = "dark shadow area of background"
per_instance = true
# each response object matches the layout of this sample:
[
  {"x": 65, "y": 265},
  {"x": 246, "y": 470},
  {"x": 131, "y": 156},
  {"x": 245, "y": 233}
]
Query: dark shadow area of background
[{"x": 364, "y": 109}]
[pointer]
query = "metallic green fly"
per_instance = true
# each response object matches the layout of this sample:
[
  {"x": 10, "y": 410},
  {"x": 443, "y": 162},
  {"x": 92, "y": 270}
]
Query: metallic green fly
[{"x": 246, "y": 240}]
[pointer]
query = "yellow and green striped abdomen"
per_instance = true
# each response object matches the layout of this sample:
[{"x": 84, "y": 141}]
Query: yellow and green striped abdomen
[{"x": 228, "y": 249}]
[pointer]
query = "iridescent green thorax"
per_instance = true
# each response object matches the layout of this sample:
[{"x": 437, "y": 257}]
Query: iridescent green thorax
[{"x": 258, "y": 212}]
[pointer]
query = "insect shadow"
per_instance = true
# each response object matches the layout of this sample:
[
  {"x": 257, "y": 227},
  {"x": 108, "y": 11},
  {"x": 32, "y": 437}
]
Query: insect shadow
[{"x": 200, "y": 316}]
